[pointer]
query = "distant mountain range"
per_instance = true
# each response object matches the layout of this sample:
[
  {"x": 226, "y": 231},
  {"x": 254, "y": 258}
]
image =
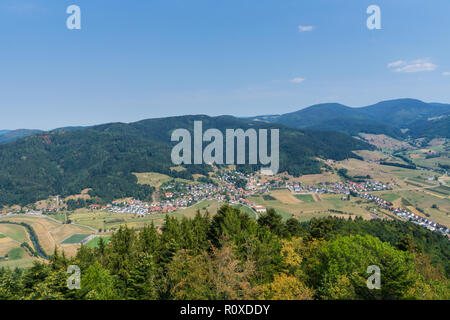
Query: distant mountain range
[
  {"x": 11, "y": 135},
  {"x": 397, "y": 118},
  {"x": 35, "y": 164}
]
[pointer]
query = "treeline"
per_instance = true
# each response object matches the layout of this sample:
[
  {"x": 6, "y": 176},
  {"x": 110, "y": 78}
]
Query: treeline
[
  {"x": 231, "y": 256},
  {"x": 401, "y": 165},
  {"x": 344, "y": 174}
]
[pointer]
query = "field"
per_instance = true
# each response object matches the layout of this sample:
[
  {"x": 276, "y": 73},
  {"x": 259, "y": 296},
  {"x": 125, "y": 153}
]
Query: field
[
  {"x": 11, "y": 237},
  {"x": 398, "y": 176},
  {"x": 435, "y": 154},
  {"x": 436, "y": 207},
  {"x": 75, "y": 239},
  {"x": 284, "y": 196},
  {"x": 94, "y": 242},
  {"x": 156, "y": 179},
  {"x": 14, "y": 232},
  {"x": 385, "y": 142},
  {"x": 16, "y": 253},
  {"x": 391, "y": 197},
  {"x": 50, "y": 233},
  {"x": 305, "y": 197}
]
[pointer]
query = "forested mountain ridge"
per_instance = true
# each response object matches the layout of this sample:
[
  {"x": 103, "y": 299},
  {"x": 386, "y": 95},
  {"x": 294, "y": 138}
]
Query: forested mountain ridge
[
  {"x": 386, "y": 117},
  {"x": 103, "y": 157},
  {"x": 11, "y": 135}
]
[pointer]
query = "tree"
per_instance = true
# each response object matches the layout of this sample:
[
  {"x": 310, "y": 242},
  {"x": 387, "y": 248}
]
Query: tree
[
  {"x": 141, "y": 284},
  {"x": 98, "y": 284},
  {"x": 343, "y": 262},
  {"x": 285, "y": 287},
  {"x": 273, "y": 221}
]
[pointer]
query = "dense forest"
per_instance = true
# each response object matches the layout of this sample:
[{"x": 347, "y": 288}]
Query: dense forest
[
  {"x": 231, "y": 256},
  {"x": 104, "y": 157}
]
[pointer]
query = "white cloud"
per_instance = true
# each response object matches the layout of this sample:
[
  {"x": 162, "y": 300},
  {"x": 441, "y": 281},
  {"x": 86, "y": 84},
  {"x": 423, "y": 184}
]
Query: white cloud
[
  {"x": 305, "y": 28},
  {"x": 396, "y": 63},
  {"x": 297, "y": 80},
  {"x": 418, "y": 65},
  {"x": 446, "y": 74}
]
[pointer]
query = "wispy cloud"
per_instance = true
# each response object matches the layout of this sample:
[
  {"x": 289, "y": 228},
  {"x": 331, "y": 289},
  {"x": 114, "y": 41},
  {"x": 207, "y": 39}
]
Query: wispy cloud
[
  {"x": 305, "y": 28},
  {"x": 396, "y": 63},
  {"x": 18, "y": 8},
  {"x": 419, "y": 65},
  {"x": 446, "y": 74},
  {"x": 297, "y": 80}
]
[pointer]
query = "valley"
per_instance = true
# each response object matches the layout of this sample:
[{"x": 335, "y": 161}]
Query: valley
[{"x": 424, "y": 193}]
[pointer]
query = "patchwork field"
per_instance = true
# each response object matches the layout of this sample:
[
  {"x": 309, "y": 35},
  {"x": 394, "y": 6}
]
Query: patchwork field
[
  {"x": 385, "y": 174},
  {"x": 11, "y": 253},
  {"x": 50, "y": 232}
]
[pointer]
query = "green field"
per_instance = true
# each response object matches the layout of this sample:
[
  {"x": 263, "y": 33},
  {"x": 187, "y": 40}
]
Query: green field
[
  {"x": 14, "y": 232},
  {"x": 60, "y": 217},
  {"x": 2, "y": 236},
  {"x": 16, "y": 253},
  {"x": 391, "y": 197},
  {"x": 305, "y": 197},
  {"x": 75, "y": 238},
  {"x": 94, "y": 242}
]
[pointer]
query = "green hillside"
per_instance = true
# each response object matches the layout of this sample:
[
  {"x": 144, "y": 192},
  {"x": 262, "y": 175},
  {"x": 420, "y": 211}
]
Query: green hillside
[{"x": 386, "y": 117}]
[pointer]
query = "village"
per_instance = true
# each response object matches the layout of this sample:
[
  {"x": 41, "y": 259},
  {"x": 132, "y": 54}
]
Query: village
[{"x": 235, "y": 188}]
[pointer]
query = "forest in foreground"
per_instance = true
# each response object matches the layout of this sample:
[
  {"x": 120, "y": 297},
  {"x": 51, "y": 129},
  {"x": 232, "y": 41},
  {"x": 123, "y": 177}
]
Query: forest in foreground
[{"x": 231, "y": 256}]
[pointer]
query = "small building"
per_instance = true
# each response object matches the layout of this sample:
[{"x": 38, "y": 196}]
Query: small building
[{"x": 260, "y": 209}]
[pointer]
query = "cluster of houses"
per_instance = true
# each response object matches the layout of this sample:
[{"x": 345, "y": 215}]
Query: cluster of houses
[
  {"x": 176, "y": 195},
  {"x": 405, "y": 214},
  {"x": 338, "y": 187},
  {"x": 235, "y": 188},
  {"x": 421, "y": 221}
]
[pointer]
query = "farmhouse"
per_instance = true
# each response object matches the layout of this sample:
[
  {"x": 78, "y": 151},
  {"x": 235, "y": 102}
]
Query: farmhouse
[{"x": 259, "y": 209}]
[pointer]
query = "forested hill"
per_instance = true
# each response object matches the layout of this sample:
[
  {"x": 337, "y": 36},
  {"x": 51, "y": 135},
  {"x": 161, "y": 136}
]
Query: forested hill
[
  {"x": 386, "y": 117},
  {"x": 104, "y": 157}
]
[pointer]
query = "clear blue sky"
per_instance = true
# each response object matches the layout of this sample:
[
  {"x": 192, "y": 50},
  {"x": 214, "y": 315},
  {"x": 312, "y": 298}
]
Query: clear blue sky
[{"x": 141, "y": 59}]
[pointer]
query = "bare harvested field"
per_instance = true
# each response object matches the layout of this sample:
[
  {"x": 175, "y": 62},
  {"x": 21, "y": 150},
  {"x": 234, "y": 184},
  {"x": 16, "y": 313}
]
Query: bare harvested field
[
  {"x": 370, "y": 155},
  {"x": 285, "y": 196},
  {"x": 156, "y": 179}
]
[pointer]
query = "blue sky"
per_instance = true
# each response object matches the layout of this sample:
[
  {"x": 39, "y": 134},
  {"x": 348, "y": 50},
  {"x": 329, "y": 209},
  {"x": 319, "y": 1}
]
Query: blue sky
[{"x": 141, "y": 59}]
